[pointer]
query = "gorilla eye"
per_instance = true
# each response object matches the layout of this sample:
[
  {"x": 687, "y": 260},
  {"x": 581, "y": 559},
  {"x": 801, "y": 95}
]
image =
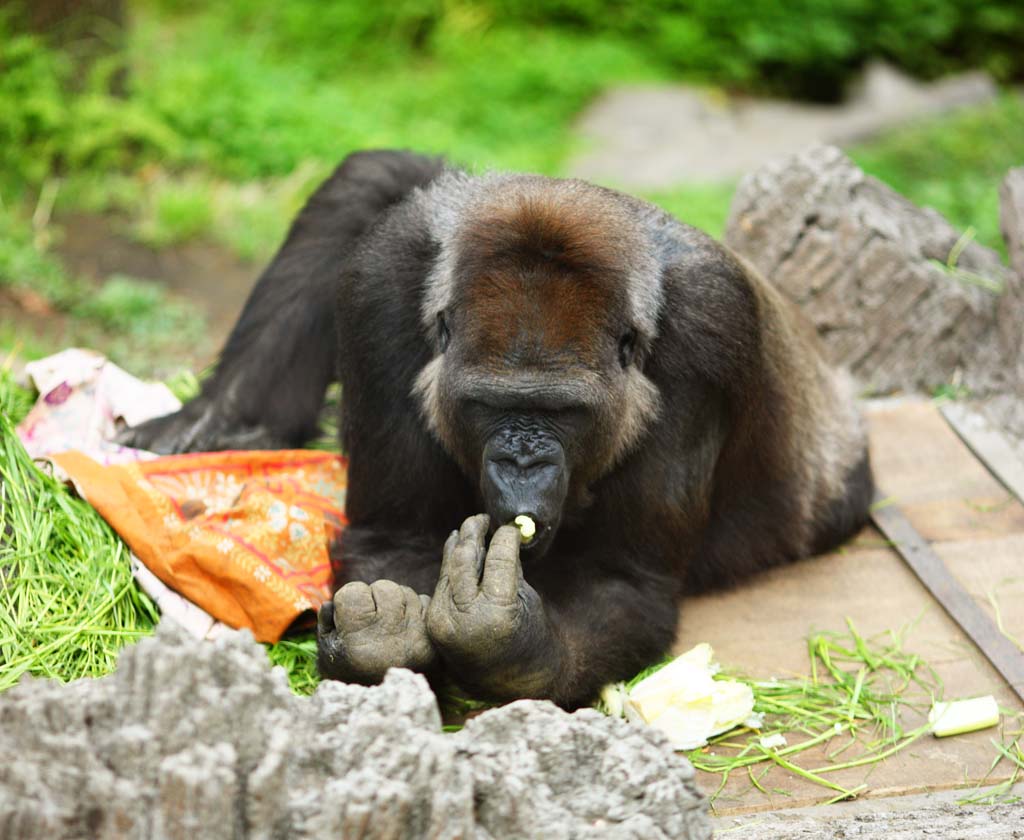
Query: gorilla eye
[
  {"x": 627, "y": 348},
  {"x": 443, "y": 333}
]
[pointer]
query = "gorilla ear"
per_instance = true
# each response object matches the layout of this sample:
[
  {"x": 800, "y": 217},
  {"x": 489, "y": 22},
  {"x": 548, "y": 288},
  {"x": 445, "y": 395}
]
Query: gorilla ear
[
  {"x": 627, "y": 348},
  {"x": 443, "y": 333}
]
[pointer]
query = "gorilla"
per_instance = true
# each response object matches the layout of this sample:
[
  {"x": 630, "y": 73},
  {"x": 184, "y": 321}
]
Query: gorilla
[{"x": 515, "y": 344}]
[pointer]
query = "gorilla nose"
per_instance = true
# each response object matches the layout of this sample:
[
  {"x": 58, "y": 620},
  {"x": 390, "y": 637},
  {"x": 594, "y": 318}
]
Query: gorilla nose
[
  {"x": 522, "y": 480},
  {"x": 517, "y": 483}
]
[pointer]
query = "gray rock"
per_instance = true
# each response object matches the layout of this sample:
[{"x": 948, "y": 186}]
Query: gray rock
[
  {"x": 192, "y": 739},
  {"x": 936, "y": 815},
  {"x": 1006, "y": 409},
  {"x": 1011, "y": 217},
  {"x": 869, "y": 268}
]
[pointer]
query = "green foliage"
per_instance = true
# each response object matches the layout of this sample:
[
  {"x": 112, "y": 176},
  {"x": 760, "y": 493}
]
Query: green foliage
[
  {"x": 177, "y": 211},
  {"x": 705, "y": 206},
  {"x": 807, "y": 47},
  {"x": 247, "y": 89},
  {"x": 502, "y": 100},
  {"x": 24, "y": 263},
  {"x": 124, "y": 304},
  {"x": 32, "y": 104}
]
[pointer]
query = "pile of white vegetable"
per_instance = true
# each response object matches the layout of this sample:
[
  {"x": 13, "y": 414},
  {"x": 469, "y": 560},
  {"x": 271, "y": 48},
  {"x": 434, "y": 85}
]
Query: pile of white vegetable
[{"x": 685, "y": 701}]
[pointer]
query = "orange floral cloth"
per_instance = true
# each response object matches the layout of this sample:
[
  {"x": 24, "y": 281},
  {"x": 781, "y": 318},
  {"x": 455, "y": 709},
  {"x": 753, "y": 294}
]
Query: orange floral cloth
[{"x": 244, "y": 535}]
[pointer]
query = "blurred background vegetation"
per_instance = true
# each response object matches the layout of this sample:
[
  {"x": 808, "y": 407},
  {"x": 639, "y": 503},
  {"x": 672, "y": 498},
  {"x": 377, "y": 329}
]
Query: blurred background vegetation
[{"x": 179, "y": 122}]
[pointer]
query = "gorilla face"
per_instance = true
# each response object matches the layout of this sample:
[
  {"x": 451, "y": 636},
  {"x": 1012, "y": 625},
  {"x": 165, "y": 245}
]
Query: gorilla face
[{"x": 531, "y": 417}]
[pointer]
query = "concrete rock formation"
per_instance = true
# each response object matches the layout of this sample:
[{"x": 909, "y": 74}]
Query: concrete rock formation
[
  {"x": 1006, "y": 409},
  {"x": 895, "y": 294},
  {"x": 200, "y": 740}
]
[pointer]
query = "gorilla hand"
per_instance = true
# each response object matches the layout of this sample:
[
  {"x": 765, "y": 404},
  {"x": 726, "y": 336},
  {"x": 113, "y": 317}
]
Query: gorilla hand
[
  {"x": 367, "y": 629},
  {"x": 486, "y": 622},
  {"x": 199, "y": 426}
]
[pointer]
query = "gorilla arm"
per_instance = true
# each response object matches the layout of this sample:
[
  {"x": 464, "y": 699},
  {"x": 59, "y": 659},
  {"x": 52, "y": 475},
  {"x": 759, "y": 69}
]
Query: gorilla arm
[{"x": 270, "y": 380}]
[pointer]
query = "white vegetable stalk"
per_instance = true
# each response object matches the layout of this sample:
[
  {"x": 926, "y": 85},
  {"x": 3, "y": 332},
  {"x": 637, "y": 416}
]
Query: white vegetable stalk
[{"x": 960, "y": 716}]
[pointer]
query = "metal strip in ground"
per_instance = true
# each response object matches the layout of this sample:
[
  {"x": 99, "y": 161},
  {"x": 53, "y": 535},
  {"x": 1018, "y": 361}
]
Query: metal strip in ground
[{"x": 1004, "y": 655}]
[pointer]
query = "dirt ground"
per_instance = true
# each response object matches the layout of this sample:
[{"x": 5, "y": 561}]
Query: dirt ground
[{"x": 93, "y": 247}]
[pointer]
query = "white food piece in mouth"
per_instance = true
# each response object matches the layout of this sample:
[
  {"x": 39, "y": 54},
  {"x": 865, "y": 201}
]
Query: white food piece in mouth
[
  {"x": 959, "y": 716},
  {"x": 527, "y": 527}
]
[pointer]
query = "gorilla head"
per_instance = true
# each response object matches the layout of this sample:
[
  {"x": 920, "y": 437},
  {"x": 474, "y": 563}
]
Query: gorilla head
[{"x": 536, "y": 388}]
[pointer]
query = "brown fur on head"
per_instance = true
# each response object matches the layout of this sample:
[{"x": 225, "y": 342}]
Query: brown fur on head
[
  {"x": 544, "y": 281},
  {"x": 540, "y": 290}
]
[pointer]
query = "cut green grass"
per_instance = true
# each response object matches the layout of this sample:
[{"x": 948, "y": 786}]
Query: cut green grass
[
  {"x": 297, "y": 655},
  {"x": 864, "y": 701},
  {"x": 68, "y": 602}
]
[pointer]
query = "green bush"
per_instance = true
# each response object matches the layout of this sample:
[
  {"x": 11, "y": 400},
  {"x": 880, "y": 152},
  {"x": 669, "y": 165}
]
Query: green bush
[
  {"x": 803, "y": 47},
  {"x": 252, "y": 88},
  {"x": 33, "y": 105}
]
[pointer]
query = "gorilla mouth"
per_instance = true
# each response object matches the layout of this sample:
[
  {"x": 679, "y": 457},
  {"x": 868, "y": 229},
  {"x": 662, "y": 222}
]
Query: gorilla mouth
[{"x": 541, "y": 541}]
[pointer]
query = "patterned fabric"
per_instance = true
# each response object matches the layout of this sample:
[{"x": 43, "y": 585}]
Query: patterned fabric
[
  {"x": 244, "y": 535},
  {"x": 82, "y": 396}
]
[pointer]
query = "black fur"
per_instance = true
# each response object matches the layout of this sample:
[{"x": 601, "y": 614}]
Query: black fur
[{"x": 709, "y": 494}]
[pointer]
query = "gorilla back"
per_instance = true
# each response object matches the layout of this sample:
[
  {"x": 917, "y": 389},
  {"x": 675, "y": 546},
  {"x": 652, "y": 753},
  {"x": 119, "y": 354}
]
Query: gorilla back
[{"x": 514, "y": 344}]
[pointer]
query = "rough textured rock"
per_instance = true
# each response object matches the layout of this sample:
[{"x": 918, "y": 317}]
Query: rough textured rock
[
  {"x": 1011, "y": 217},
  {"x": 1007, "y": 408},
  {"x": 194, "y": 740},
  {"x": 869, "y": 268}
]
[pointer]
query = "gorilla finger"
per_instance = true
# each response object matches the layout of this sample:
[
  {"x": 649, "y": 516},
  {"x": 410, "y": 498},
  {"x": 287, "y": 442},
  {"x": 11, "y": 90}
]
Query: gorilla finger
[
  {"x": 424, "y": 604},
  {"x": 390, "y": 602},
  {"x": 354, "y": 606},
  {"x": 463, "y": 554},
  {"x": 464, "y": 572},
  {"x": 502, "y": 570},
  {"x": 414, "y": 608},
  {"x": 449, "y": 547},
  {"x": 474, "y": 529}
]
